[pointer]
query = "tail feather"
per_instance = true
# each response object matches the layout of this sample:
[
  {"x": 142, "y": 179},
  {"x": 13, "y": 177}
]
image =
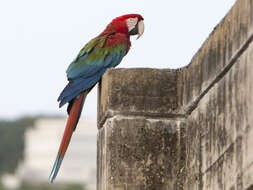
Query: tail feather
[{"x": 73, "y": 118}]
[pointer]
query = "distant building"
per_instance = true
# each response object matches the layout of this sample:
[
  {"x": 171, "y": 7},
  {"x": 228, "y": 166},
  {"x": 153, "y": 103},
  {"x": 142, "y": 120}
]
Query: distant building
[
  {"x": 41, "y": 147},
  {"x": 10, "y": 181}
]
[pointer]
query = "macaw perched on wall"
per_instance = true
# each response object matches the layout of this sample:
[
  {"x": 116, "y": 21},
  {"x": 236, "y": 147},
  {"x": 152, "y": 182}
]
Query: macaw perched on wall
[{"x": 105, "y": 51}]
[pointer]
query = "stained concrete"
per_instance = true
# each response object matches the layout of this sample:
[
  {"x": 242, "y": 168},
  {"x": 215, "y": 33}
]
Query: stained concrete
[
  {"x": 140, "y": 153},
  {"x": 153, "y": 92},
  {"x": 185, "y": 129}
]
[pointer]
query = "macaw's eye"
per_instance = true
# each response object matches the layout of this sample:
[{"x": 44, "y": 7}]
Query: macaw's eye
[{"x": 131, "y": 23}]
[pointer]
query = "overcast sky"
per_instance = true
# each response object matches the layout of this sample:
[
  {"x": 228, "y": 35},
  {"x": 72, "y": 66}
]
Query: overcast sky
[{"x": 39, "y": 39}]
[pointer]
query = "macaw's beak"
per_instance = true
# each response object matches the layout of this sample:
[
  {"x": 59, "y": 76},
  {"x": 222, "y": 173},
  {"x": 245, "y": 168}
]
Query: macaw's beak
[{"x": 138, "y": 29}]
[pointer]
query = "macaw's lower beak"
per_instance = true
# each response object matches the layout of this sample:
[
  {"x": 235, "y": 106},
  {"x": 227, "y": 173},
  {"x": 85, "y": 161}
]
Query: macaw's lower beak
[{"x": 138, "y": 29}]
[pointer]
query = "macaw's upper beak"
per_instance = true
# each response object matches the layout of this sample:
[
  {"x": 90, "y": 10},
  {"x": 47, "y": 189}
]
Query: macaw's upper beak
[{"x": 138, "y": 29}]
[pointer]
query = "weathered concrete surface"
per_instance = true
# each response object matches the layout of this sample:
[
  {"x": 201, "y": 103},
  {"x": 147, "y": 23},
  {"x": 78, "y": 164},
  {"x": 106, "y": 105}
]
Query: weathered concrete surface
[
  {"x": 219, "y": 53},
  {"x": 139, "y": 153},
  {"x": 224, "y": 117},
  {"x": 149, "y": 92},
  {"x": 210, "y": 102},
  {"x": 217, "y": 96}
]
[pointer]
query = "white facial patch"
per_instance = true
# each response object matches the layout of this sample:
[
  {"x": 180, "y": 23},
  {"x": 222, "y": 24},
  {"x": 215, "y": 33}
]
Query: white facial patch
[{"x": 131, "y": 22}]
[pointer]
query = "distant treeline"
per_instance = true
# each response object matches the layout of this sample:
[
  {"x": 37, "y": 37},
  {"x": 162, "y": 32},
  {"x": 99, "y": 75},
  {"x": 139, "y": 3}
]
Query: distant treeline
[{"x": 12, "y": 143}]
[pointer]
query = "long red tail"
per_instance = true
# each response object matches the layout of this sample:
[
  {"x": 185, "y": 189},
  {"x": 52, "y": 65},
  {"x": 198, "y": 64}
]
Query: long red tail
[{"x": 73, "y": 118}]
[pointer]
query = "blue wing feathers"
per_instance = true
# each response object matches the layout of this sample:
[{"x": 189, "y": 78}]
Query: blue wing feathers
[
  {"x": 84, "y": 69},
  {"x": 75, "y": 87},
  {"x": 83, "y": 74}
]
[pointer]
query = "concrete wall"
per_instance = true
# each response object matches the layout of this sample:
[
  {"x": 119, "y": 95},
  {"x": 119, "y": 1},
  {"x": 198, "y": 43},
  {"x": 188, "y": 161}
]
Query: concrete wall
[{"x": 183, "y": 129}]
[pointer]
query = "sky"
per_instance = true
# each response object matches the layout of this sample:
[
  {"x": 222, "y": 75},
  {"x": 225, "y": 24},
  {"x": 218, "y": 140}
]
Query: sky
[{"x": 39, "y": 39}]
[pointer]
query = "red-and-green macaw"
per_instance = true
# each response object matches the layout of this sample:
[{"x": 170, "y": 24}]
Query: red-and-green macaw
[{"x": 102, "y": 52}]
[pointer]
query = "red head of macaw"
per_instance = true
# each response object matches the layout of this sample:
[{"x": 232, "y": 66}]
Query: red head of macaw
[{"x": 105, "y": 51}]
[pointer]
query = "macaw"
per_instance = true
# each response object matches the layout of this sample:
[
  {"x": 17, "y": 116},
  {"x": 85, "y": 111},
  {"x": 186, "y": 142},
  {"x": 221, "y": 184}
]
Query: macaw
[{"x": 103, "y": 52}]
